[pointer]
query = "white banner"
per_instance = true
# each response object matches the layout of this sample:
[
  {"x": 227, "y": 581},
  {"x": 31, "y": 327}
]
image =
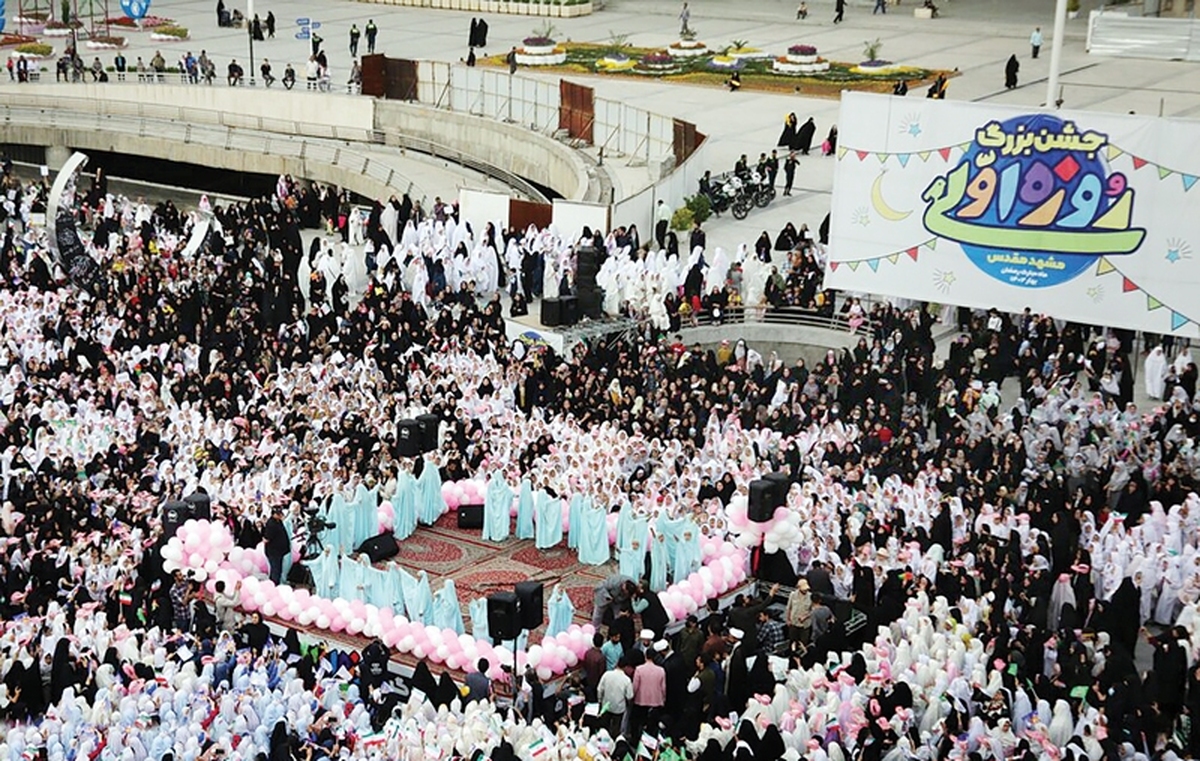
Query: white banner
[{"x": 1088, "y": 217}]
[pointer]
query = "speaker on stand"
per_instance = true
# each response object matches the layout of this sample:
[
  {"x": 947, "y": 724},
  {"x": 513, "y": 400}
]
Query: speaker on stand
[
  {"x": 530, "y": 604},
  {"x": 408, "y": 438},
  {"x": 591, "y": 296},
  {"x": 503, "y": 624},
  {"x": 430, "y": 427}
]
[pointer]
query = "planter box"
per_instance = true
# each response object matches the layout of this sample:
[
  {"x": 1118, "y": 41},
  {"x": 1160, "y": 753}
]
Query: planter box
[
  {"x": 56, "y": 32},
  {"x": 167, "y": 37}
]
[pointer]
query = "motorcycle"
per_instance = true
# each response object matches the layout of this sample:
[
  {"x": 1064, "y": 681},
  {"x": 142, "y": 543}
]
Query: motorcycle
[{"x": 763, "y": 189}]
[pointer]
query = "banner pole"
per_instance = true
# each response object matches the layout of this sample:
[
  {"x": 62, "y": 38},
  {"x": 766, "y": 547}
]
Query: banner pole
[{"x": 1056, "y": 45}]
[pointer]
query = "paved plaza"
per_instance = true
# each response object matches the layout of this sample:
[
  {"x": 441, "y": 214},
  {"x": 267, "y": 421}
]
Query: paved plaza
[{"x": 974, "y": 36}]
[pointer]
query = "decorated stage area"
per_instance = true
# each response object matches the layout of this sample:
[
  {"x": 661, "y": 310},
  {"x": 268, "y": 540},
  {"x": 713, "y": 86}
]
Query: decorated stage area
[{"x": 480, "y": 568}]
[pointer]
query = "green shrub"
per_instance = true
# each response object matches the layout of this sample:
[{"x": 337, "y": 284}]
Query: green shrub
[
  {"x": 682, "y": 219},
  {"x": 700, "y": 207}
]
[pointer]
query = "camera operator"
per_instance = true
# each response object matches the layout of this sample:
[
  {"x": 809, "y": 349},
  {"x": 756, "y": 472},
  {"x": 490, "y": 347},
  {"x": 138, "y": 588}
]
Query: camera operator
[{"x": 277, "y": 543}]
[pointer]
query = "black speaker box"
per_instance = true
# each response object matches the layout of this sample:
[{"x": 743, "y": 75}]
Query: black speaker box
[
  {"x": 530, "y": 596},
  {"x": 570, "y": 310},
  {"x": 783, "y": 484},
  {"x": 408, "y": 438},
  {"x": 551, "y": 313},
  {"x": 470, "y": 516},
  {"x": 379, "y": 547},
  {"x": 174, "y": 514},
  {"x": 430, "y": 426},
  {"x": 502, "y": 616},
  {"x": 762, "y": 501},
  {"x": 201, "y": 505}
]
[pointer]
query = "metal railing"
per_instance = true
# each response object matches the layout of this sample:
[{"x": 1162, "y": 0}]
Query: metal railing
[{"x": 787, "y": 315}]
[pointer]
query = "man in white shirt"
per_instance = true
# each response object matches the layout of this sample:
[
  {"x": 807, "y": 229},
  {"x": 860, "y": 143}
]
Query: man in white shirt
[
  {"x": 614, "y": 692},
  {"x": 662, "y": 220}
]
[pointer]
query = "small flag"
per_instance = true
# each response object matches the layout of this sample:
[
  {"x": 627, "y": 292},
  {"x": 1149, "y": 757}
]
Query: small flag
[
  {"x": 1164, "y": 173},
  {"x": 1178, "y": 320},
  {"x": 1188, "y": 181},
  {"x": 1128, "y": 285},
  {"x": 1104, "y": 266},
  {"x": 873, "y": 264},
  {"x": 1138, "y": 163},
  {"x": 904, "y": 157},
  {"x": 1152, "y": 303},
  {"x": 538, "y": 748},
  {"x": 912, "y": 253},
  {"x": 944, "y": 153}
]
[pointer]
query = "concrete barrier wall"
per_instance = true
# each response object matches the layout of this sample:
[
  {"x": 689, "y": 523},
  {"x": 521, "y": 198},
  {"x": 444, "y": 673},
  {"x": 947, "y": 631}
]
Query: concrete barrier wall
[
  {"x": 791, "y": 342},
  {"x": 508, "y": 146},
  {"x": 314, "y": 114}
]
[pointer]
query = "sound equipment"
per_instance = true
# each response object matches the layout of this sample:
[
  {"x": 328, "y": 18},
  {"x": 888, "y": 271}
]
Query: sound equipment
[
  {"x": 408, "y": 438},
  {"x": 783, "y": 484},
  {"x": 430, "y": 426},
  {"x": 551, "y": 313},
  {"x": 570, "y": 310},
  {"x": 201, "y": 505},
  {"x": 174, "y": 514},
  {"x": 773, "y": 567},
  {"x": 502, "y": 616},
  {"x": 379, "y": 547},
  {"x": 300, "y": 576},
  {"x": 530, "y": 601},
  {"x": 762, "y": 500},
  {"x": 591, "y": 296},
  {"x": 470, "y": 516}
]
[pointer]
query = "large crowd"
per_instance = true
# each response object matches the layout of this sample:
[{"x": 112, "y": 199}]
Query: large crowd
[{"x": 984, "y": 569}]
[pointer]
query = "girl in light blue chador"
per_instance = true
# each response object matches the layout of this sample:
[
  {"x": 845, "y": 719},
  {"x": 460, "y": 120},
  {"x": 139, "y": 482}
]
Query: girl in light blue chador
[
  {"x": 336, "y": 513},
  {"x": 326, "y": 568},
  {"x": 688, "y": 555},
  {"x": 477, "y": 610},
  {"x": 497, "y": 508},
  {"x": 658, "y": 561},
  {"x": 365, "y": 511},
  {"x": 593, "y": 539},
  {"x": 560, "y": 610},
  {"x": 352, "y": 584},
  {"x": 575, "y": 520},
  {"x": 525, "y": 511},
  {"x": 395, "y": 590},
  {"x": 633, "y": 531},
  {"x": 418, "y": 600},
  {"x": 446, "y": 612},
  {"x": 548, "y": 511},
  {"x": 429, "y": 494},
  {"x": 404, "y": 503}
]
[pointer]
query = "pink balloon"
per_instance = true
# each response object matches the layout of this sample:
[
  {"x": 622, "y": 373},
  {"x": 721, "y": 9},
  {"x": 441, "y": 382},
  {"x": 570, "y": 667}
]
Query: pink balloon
[
  {"x": 544, "y": 673},
  {"x": 419, "y": 651},
  {"x": 338, "y": 624},
  {"x": 454, "y": 661}
]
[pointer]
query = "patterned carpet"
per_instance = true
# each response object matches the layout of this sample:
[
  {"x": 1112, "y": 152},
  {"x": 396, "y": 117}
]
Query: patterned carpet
[{"x": 482, "y": 568}]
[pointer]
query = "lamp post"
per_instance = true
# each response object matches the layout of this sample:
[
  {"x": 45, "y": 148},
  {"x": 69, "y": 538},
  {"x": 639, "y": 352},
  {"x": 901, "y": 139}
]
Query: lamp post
[
  {"x": 250, "y": 35},
  {"x": 1056, "y": 46}
]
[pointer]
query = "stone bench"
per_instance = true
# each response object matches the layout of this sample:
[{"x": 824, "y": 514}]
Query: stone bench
[{"x": 922, "y": 12}]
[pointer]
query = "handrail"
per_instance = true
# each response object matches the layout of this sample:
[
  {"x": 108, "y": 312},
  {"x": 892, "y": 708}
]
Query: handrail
[{"x": 787, "y": 315}]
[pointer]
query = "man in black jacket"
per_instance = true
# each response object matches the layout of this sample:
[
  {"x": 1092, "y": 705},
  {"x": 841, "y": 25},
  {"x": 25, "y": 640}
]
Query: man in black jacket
[{"x": 277, "y": 542}]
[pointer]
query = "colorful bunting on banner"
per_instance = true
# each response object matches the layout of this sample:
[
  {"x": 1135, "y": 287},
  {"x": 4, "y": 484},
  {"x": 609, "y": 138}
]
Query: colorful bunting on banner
[
  {"x": 913, "y": 253},
  {"x": 1104, "y": 267},
  {"x": 1110, "y": 151}
]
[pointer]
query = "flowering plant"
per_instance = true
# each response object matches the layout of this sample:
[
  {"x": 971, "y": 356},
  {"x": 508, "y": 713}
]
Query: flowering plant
[
  {"x": 657, "y": 58},
  {"x": 802, "y": 50}
]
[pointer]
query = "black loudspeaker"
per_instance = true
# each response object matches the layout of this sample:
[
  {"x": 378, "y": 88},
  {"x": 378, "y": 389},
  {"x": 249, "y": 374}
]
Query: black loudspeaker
[
  {"x": 174, "y": 514},
  {"x": 408, "y": 438},
  {"x": 762, "y": 501},
  {"x": 570, "y": 310},
  {"x": 502, "y": 616},
  {"x": 201, "y": 505},
  {"x": 783, "y": 484},
  {"x": 551, "y": 313},
  {"x": 470, "y": 516},
  {"x": 591, "y": 297},
  {"x": 379, "y": 547},
  {"x": 430, "y": 426},
  {"x": 530, "y": 596}
]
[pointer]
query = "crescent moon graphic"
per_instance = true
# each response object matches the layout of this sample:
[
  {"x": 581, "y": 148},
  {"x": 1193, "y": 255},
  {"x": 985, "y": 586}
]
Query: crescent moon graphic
[{"x": 881, "y": 207}]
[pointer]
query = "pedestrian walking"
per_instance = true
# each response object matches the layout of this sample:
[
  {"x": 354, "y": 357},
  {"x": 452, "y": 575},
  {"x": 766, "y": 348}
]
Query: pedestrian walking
[
  {"x": 841, "y": 11},
  {"x": 789, "y": 172},
  {"x": 511, "y": 59},
  {"x": 354, "y": 35},
  {"x": 1010, "y": 72},
  {"x": 880, "y": 7},
  {"x": 685, "y": 16},
  {"x": 270, "y": 25},
  {"x": 1035, "y": 41},
  {"x": 372, "y": 32}
]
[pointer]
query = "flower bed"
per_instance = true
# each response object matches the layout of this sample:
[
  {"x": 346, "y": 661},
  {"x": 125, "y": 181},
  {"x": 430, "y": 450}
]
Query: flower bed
[
  {"x": 786, "y": 65},
  {"x": 541, "y": 56},
  {"x": 170, "y": 34},
  {"x": 876, "y": 68},
  {"x": 32, "y": 50},
  {"x": 802, "y": 55},
  {"x": 825, "y": 78},
  {"x": 687, "y": 49},
  {"x": 9, "y": 40},
  {"x": 106, "y": 43},
  {"x": 59, "y": 29},
  {"x": 616, "y": 62},
  {"x": 148, "y": 22},
  {"x": 747, "y": 53}
]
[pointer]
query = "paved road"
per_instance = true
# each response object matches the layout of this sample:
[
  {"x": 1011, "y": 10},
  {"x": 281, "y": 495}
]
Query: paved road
[{"x": 975, "y": 36}]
